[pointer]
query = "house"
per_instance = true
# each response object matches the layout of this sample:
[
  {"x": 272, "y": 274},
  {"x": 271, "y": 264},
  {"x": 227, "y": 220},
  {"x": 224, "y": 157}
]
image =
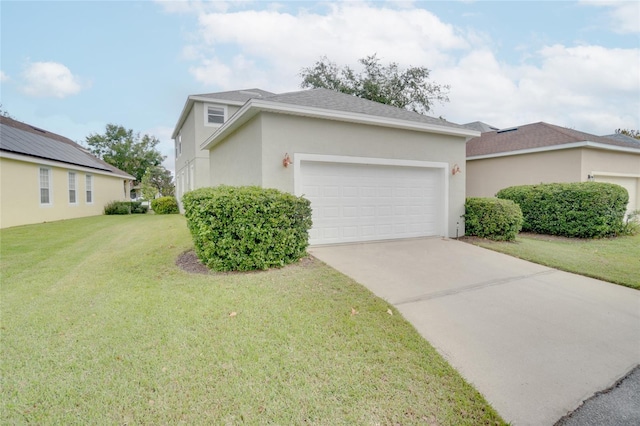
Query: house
[
  {"x": 201, "y": 116},
  {"x": 371, "y": 171},
  {"x": 46, "y": 177},
  {"x": 545, "y": 153}
]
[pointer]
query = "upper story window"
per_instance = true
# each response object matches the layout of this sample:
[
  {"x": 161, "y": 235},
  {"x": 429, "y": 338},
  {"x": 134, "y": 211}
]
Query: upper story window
[
  {"x": 179, "y": 144},
  {"x": 215, "y": 115},
  {"x": 45, "y": 185},
  {"x": 73, "y": 199}
]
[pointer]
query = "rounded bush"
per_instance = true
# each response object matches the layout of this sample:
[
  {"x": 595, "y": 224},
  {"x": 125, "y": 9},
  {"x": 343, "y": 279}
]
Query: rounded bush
[
  {"x": 247, "y": 228},
  {"x": 492, "y": 218},
  {"x": 165, "y": 205},
  {"x": 583, "y": 210}
]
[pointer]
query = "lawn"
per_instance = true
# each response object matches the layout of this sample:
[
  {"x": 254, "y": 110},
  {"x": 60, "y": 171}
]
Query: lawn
[
  {"x": 100, "y": 326},
  {"x": 616, "y": 260}
]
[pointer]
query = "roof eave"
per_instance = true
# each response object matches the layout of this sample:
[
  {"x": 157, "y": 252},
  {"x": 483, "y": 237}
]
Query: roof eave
[
  {"x": 253, "y": 106},
  {"x": 48, "y": 161},
  {"x": 582, "y": 144}
]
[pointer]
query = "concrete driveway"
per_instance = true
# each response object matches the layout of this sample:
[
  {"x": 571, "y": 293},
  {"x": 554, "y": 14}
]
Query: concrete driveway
[{"x": 535, "y": 341}]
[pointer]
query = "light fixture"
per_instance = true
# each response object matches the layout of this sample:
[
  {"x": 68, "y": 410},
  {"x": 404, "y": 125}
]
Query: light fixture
[
  {"x": 591, "y": 178},
  {"x": 286, "y": 160},
  {"x": 455, "y": 170}
]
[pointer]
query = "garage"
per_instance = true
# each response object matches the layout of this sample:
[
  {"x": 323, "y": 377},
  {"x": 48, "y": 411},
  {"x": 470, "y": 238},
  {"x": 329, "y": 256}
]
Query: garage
[
  {"x": 359, "y": 199},
  {"x": 630, "y": 183}
]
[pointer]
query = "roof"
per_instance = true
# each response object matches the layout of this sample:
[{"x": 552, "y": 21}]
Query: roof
[
  {"x": 623, "y": 137},
  {"x": 329, "y": 104},
  {"x": 337, "y": 101},
  {"x": 233, "y": 97},
  {"x": 23, "y": 139},
  {"x": 241, "y": 96},
  {"x": 539, "y": 137},
  {"x": 480, "y": 126}
]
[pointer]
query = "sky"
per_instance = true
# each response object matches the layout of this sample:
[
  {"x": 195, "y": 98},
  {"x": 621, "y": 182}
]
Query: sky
[{"x": 73, "y": 67}]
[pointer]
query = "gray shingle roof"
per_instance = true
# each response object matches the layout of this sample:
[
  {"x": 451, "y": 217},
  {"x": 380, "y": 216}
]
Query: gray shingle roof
[
  {"x": 531, "y": 136},
  {"x": 623, "y": 138},
  {"x": 480, "y": 126},
  {"x": 238, "y": 95},
  {"x": 336, "y": 101},
  {"x": 21, "y": 138}
]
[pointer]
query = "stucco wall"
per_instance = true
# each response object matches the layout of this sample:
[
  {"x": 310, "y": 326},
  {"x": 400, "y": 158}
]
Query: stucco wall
[
  {"x": 20, "y": 194},
  {"x": 598, "y": 160},
  {"x": 302, "y": 135},
  {"x": 487, "y": 176},
  {"x": 237, "y": 159}
]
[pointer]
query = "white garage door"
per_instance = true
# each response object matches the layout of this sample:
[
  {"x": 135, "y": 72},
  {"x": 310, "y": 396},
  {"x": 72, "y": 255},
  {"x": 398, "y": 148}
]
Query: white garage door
[
  {"x": 365, "y": 202},
  {"x": 631, "y": 184}
]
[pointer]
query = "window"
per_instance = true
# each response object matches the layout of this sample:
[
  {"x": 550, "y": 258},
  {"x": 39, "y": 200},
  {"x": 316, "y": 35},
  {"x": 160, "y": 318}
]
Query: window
[
  {"x": 88, "y": 184},
  {"x": 179, "y": 144},
  {"x": 45, "y": 185},
  {"x": 215, "y": 115},
  {"x": 72, "y": 188}
]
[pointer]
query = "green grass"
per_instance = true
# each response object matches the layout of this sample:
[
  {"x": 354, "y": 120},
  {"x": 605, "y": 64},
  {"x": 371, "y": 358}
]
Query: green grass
[
  {"x": 616, "y": 260},
  {"x": 100, "y": 326}
]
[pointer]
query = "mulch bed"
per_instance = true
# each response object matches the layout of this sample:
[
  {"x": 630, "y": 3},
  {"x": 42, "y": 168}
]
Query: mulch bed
[{"x": 189, "y": 262}]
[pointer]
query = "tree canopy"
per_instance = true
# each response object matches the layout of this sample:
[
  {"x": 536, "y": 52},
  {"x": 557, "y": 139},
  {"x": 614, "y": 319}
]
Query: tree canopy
[
  {"x": 633, "y": 133},
  {"x": 157, "y": 181},
  {"x": 126, "y": 150},
  {"x": 410, "y": 88}
]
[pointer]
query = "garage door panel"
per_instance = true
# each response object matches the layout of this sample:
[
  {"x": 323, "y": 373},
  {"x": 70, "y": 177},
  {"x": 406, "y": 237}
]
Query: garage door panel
[{"x": 359, "y": 202}]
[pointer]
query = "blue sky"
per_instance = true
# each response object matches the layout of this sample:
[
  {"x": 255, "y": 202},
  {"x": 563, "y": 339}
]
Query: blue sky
[{"x": 72, "y": 67}]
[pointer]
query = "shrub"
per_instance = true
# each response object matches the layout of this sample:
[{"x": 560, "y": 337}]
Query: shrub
[
  {"x": 247, "y": 228},
  {"x": 492, "y": 218},
  {"x": 117, "y": 207},
  {"x": 583, "y": 210},
  {"x": 125, "y": 207},
  {"x": 165, "y": 205}
]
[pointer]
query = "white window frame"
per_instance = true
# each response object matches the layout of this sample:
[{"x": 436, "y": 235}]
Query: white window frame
[
  {"x": 223, "y": 108},
  {"x": 49, "y": 185},
  {"x": 179, "y": 144},
  {"x": 72, "y": 185},
  {"x": 88, "y": 189}
]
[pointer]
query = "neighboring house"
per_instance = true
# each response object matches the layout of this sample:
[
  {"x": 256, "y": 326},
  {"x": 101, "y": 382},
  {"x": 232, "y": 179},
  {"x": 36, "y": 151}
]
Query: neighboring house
[
  {"x": 46, "y": 177},
  {"x": 545, "y": 153},
  {"x": 201, "y": 116},
  {"x": 371, "y": 171}
]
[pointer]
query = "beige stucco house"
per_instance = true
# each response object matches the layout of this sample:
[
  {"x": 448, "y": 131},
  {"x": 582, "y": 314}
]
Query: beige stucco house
[
  {"x": 201, "y": 116},
  {"x": 371, "y": 171},
  {"x": 46, "y": 177},
  {"x": 545, "y": 153}
]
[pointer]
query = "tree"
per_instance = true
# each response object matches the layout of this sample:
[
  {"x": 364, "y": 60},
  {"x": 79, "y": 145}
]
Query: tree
[
  {"x": 157, "y": 180},
  {"x": 4, "y": 112},
  {"x": 632, "y": 133},
  {"x": 126, "y": 150},
  {"x": 409, "y": 89}
]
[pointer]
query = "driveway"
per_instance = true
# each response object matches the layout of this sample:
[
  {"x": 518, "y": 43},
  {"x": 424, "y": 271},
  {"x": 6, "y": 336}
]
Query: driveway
[{"x": 535, "y": 341}]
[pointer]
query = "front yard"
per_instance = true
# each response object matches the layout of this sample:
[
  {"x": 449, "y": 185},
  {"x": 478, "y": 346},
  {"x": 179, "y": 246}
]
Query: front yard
[
  {"x": 616, "y": 260},
  {"x": 100, "y": 326}
]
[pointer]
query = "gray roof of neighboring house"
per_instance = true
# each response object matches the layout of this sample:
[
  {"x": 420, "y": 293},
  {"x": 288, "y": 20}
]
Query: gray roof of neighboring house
[
  {"x": 21, "y": 138},
  {"x": 480, "y": 126},
  {"x": 623, "y": 138},
  {"x": 237, "y": 95},
  {"x": 536, "y": 135},
  {"x": 336, "y": 101}
]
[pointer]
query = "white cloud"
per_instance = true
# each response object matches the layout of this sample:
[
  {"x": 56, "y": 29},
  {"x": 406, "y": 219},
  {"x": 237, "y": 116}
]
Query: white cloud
[
  {"x": 3, "y": 77},
  {"x": 50, "y": 79},
  {"x": 624, "y": 15},
  {"x": 588, "y": 87}
]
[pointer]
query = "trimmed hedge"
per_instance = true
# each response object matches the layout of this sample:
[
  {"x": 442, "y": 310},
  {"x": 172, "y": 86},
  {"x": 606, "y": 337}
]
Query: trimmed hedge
[
  {"x": 165, "y": 205},
  {"x": 247, "y": 228},
  {"x": 583, "y": 210},
  {"x": 125, "y": 207},
  {"x": 492, "y": 218}
]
